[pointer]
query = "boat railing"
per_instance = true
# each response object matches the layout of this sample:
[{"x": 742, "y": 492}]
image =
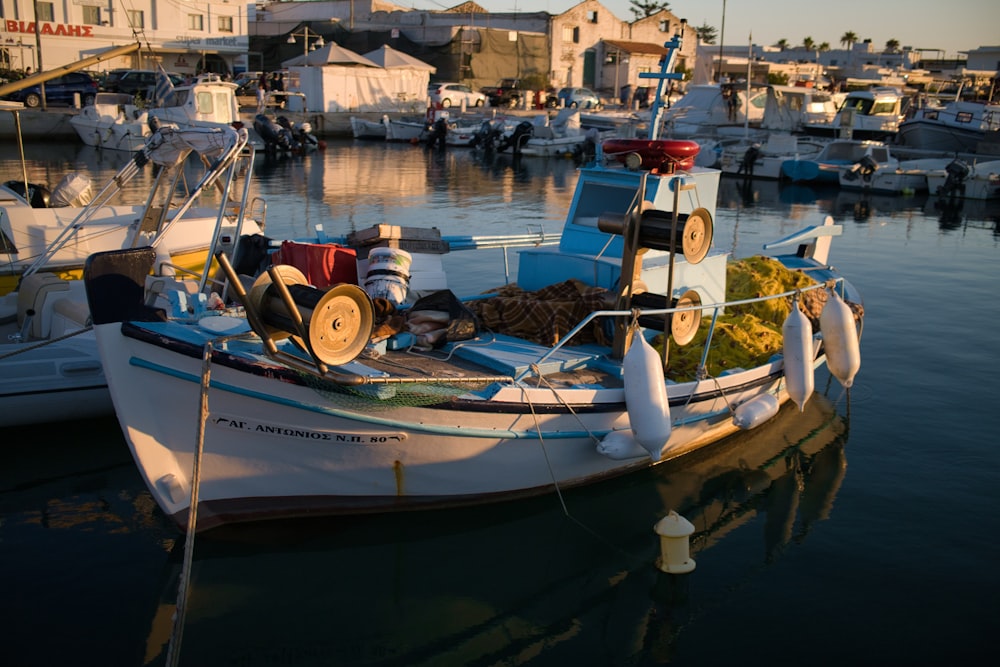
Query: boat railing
[{"x": 634, "y": 314}]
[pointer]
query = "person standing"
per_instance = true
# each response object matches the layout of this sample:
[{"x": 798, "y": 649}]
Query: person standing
[
  {"x": 262, "y": 88},
  {"x": 278, "y": 85}
]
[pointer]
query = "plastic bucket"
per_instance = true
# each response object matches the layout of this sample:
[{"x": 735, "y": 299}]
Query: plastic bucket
[{"x": 388, "y": 274}]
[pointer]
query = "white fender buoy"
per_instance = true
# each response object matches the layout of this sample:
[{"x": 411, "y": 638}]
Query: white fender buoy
[
  {"x": 674, "y": 531},
  {"x": 797, "y": 337},
  {"x": 646, "y": 397},
  {"x": 620, "y": 445},
  {"x": 840, "y": 339},
  {"x": 756, "y": 411}
]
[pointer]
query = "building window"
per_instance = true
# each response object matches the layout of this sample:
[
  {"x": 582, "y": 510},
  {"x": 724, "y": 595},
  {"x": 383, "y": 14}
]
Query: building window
[
  {"x": 664, "y": 26},
  {"x": 225, "y": 24},
  {"x": 136, "y": 19},
  {"x": 196, "y": 22},
  {"x": 91, "y": 15},
  {"x": 592, "y": 16},
  {"x": 45, "y": 11}
]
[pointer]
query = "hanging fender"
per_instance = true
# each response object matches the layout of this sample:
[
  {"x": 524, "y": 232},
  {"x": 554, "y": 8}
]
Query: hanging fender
[{"x": 646, "y": 397}]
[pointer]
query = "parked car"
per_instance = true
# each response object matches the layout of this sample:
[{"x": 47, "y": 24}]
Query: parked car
[
  {"x": 60, "y": 90},
  {"x": 452, "y": 95},
  {"x": 583, "y": 98},
  {"x": 507, "y": 93},
  {"x": 139, "y": 82},
  {"x": 109, "y": 80}
]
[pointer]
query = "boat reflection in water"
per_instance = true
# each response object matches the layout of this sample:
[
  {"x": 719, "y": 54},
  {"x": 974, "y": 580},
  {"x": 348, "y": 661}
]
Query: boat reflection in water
[{"x": 511, "y": 583}]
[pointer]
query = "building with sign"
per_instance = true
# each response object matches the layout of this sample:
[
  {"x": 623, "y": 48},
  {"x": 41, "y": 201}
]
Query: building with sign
[{"x": 181, "y": 36}]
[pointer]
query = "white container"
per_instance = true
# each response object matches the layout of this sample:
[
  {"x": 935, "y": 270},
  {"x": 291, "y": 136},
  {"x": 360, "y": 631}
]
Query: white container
[{"x": 388, "y": 275}]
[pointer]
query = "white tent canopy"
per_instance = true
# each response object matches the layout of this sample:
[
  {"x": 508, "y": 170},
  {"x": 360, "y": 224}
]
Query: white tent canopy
[
  {"x": 335, "y": 79},
  {"x": 389, "y": 58},
  {"x": 330, "y": 53}
]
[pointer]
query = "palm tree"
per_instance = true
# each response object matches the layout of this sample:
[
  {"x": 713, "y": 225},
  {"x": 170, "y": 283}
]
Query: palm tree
[
  {"x": 808, "y": 44},
  {"x": 848, "y": 39},
  {"x": 824, "y": 46},
  {"x": 782, "y": 44}
]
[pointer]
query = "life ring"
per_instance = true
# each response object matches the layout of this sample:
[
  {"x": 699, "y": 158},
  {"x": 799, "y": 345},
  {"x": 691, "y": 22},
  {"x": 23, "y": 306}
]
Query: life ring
[{"x": 655, "y": 153}]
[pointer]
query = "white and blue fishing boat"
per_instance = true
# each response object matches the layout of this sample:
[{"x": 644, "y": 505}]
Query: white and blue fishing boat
[{"x": 610, "y": 354}]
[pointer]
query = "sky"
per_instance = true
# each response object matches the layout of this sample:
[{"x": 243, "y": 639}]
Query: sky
[{"x": 948, "y": 26}]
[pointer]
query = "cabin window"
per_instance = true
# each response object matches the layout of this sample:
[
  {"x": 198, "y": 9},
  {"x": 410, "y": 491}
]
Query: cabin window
[
  {"x": 136, "y": 19},
  {"x": 883, "y": 108},
  {"x": 204, "y": 102},
  {"x": 195, "y": 22},
  {"x": 45, "y": 11},
  {"x": 225, "y": 24},
  {"x": 91, "y": 15},
  {"x": 963, "y": 117}
]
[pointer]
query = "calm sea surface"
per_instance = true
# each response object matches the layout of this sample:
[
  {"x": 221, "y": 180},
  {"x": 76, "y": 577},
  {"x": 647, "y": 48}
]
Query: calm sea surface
[{"x": 864, "y": 534}]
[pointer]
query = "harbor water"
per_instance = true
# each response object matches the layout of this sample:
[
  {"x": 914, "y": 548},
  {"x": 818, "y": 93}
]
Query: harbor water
[{"x": 861, "y": 532}]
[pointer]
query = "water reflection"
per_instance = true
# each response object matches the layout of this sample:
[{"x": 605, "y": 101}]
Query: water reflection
[
  {"x": 951, "y": 213},
  {"x": 494, "y": 585}
]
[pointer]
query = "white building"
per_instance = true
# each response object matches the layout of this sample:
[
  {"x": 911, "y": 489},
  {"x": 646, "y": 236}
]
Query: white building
[{"x": 182, "y": 36}]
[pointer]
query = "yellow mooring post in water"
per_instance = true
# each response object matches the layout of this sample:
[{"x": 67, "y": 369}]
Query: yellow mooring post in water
[{"x": 674, "y": 531}]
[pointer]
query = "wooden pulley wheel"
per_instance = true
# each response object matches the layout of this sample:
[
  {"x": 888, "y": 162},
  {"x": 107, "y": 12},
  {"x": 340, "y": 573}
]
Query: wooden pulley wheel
[
  {"x": 341, "y": 324},
  {"x": 696, "y": 237},
  {"x": 684, "y": 325}
]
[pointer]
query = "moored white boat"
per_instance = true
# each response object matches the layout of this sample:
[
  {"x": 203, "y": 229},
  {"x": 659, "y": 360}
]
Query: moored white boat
[
  {"x": 873, "y": 114},
  {"x": 836, "y": 156},
  {"x": 50, "y": 369},
  {"x": 115, "y": 122},
  {"x": 764, "y": 160},
  {"x": 955, "y": 127},
  {"x": 965, "y": 180},
  {"x": 568, "y": 393},
  {"x": 906, "y": 178}
]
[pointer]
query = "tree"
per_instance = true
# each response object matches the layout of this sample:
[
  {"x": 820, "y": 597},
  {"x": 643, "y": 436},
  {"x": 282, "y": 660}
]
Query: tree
[
  {"x": 782, "y": 44},
  {"x": 808, "y": 44},
  {"x": 705, "y": 33},
  {"x": 848, "y": 39},
  {"x": 824, "y": 46},
  {"x": 892, "y": 45},
  {"x": 643, "y": 8}
]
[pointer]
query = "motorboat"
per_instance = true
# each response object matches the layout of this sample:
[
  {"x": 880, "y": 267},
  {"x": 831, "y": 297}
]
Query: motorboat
[
  {"x": 872, "y": 114},
  {"x": 707, "y": 108},
  {"x": 764, "y": 159},
  {"x": 908, "y": 177},
  {"x": 956, "y": 127},
  {"x": 116, "y": 122},
  {"x": 364, "y": 128},
  {"x": 562, "y": 378},
  {"x": 840, "y": 154},
  {"x": 544, "y": 137},
  {"x": 966, "y": 180},
  {"x": 50, "y": 369}
]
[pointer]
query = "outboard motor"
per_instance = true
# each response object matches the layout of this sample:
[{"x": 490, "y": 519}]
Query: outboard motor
[
  {"x": 37, "y": 195},
  {"x": 276, "y": 138},
  {"x": 749, "y": 160},
  {"x": 954, "y": 183},
  {"x": 437, "y": 134},
  {"x": 864, "y": 168},
  {"x": 488, "y": 135},
  {"x": 517, "y": 139}
]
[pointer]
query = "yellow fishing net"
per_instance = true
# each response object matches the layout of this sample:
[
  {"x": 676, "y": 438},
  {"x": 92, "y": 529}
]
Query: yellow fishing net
[{"x": 746, "y": 335}]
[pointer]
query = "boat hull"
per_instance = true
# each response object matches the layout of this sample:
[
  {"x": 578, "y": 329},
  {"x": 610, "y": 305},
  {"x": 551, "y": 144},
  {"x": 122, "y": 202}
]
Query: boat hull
[
  {"x": 324, "y": 452},
  {"x": 51, "y": 383}
]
